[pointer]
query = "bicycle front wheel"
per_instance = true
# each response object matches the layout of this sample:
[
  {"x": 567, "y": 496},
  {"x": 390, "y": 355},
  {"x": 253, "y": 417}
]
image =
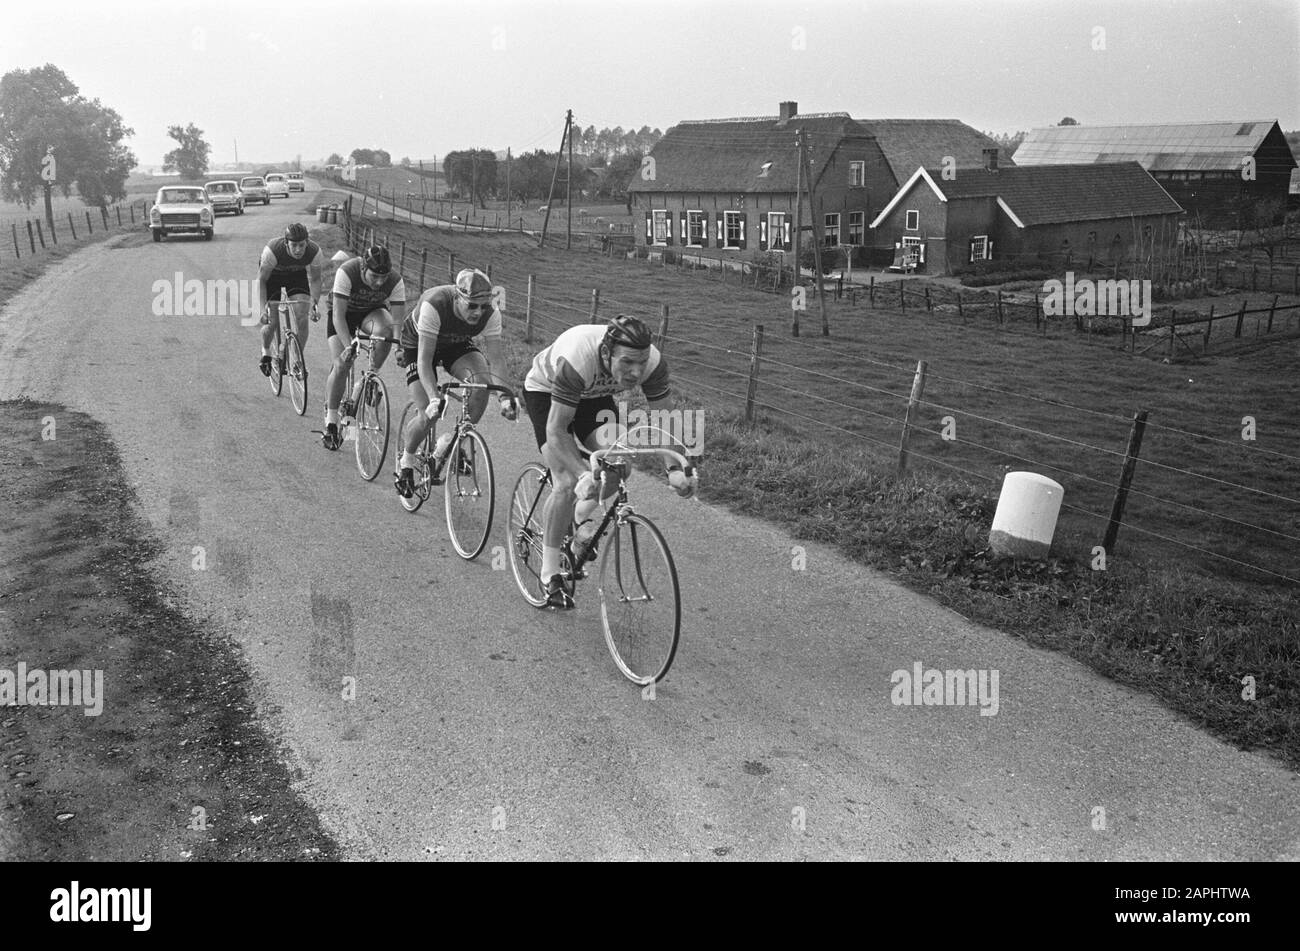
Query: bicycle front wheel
[
  {"x": 640, "y": 601},
  {"x": 470, "y": 493},
  {"x": 524, "y": 531},
  {"x": 297, "y": 370},
  {"x": 372, "y": 427}
]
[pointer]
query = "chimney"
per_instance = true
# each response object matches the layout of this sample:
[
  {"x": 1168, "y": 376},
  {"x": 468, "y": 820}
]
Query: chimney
[
  {"x": 991, "y": 159},
  {"x": 789, "y": 110}
]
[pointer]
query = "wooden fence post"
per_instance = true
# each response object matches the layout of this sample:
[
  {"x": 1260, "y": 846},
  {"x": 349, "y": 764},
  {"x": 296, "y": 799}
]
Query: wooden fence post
[
  {"x": 1125, "y": 479},
  {"x": 595, "y": 304},
  {"x": 1271, "y": 308},
  {"x": 902, "y": 301},
  {"x": 1209, "y": 328},
  {"x": 1173, "y": 331},
  {"x": 451, "y": 268},
  {"x": 118, "y": 209},
  {"x": 54, "y": 235},
  {"x": 999, "y": 310},
  {"x": 1241, "y": 317},
  {"x": 40, "y": 234},
  {"x": 960, "y": 313},
  {"x": 90, "y": 228},
  {"x": 73, "y": 225},
  {"x": 871, "y": 291},
  {"x": 401, "y": 261},
  {"x": 663, "y": 328},
  {"x": 424, "y": 261},
  {"x": 528, "y": 312},
  {"x": 13, "y": 229},
  {"x": 31, "y": 236},
  {"x": 918, "y": 387},
  {"x": 131, "y": 209},
  {"x": 928, "y": 305},
  {"x": 103, "y": 213},
  {"x": 755, "y": 356}
]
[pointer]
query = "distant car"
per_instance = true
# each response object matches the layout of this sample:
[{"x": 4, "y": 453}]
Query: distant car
[
  {"x": 225, "y": 196},
  {"x": 254, "y": 189},
  {"x": 295, "y": 182},
  {"x": 277, "y": 185},
  {"x": 181, "y": 209}
]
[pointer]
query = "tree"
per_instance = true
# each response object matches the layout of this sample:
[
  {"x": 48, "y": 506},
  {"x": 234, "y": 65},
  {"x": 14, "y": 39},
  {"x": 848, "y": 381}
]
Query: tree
[
  {"x": 42, "y": 109},
  {"x": 618, "y": 175},
  {"x": 334, "y": 159},
  {"x": 383, "y": 159},
  {"x": 406, "y": 161},
  {"x": 1068, "y": 121},
  {"x": 472, "y": 172},
  {"x": 190, "y": 157}
]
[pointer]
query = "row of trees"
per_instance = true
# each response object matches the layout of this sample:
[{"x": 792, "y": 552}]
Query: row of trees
[
  {"x": 477, "y": 174},
  {"x": 43, "y": 112}
]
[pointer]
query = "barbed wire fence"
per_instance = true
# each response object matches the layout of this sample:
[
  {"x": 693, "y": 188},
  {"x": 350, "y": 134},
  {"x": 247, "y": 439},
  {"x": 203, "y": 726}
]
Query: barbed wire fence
[{"x": 23, "y": 238}]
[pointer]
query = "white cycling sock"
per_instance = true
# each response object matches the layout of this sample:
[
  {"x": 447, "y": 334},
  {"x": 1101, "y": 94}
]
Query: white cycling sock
[
  {"x": 331, "y": 416},
  {"x": 550, "y": 562},
  {"x": 408, "y": 460}
]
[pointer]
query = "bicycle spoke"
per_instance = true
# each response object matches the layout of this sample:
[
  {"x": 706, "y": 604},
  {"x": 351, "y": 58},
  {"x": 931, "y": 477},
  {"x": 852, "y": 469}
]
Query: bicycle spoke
[
  {"x": 469, "y": 494},
  {"x": 640, "y": 600}
]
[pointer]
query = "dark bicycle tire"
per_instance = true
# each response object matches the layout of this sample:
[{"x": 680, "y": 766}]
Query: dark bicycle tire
[
  {"x": 372, "y": 427},
  {"x": 277, "y": 375},
  {"x": 524, "y": 527},
  {"x": 297, "y": 375},
  {"x": 632, "y": 548},
  {"x": 469, "y": 523}
]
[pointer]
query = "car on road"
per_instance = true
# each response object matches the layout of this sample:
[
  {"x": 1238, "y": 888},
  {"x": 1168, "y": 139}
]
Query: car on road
[
  {"x": 295, "y": 182},
  {"x": 277, "y": 185},
  {"x": 254, "y": 189},
  {"x": 182, "y": 209},
  {"x": 225, "y": 196}
]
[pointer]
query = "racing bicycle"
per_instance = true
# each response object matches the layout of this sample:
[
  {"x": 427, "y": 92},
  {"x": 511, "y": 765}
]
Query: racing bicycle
[
  {"x": 364, "y": 408},
  {"x": 288, "y": 359}
]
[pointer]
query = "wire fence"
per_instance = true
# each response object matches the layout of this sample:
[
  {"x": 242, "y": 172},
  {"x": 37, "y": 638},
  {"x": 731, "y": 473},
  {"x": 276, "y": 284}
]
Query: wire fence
[
  {"x": 22, "y": 238},
  {"x": 1229, "y": 505}
]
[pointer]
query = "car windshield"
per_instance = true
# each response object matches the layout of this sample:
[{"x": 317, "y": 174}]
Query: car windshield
[
  {"x": 254, "y": 182},
  {"x": 222, "y": 188},
  {"x": 181, "y": 196},
  {"x": 275, "y": 178}
]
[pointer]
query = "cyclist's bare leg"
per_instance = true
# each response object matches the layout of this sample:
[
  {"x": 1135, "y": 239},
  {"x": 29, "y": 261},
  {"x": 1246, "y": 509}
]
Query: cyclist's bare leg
[
  {"x": 380, "y": 323},
  {"x": 418, "y": 427},
  {"x": 473, "y": 368},
  {"x": 337, "y": 379},
  {"x": 301, "y": 320}
]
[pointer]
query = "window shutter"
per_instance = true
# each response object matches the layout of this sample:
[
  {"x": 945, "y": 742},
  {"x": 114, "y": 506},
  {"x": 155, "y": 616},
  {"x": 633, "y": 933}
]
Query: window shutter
[
  {"x": 922, "y": 247},
  {"x": 720, "y": 226},
  {"x": 668, "y": 231},
  {"x": 762, "y": 234},
  {"x": 742, "y": 231},
  {"x": 649, "y": 227},
  {"x": 704, "y": 229},
  {"x": 684, "y": 236},
  {"x": 787, "y": 231}
]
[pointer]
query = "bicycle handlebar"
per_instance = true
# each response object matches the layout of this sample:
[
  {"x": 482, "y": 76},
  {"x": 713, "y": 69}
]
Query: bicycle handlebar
[
  {"x": 598, "y": 457},
  {"x": 462, "y": 385}
]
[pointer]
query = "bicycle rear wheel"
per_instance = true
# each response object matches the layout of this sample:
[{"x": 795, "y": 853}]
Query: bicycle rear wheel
[
  {"x": 469, "y": 489},
  {"x": 640, "y": 601},
  {"x": 372, "y": 426},
  {"x": 297, "y": 375},
  {"x": 524, "y": 528}
]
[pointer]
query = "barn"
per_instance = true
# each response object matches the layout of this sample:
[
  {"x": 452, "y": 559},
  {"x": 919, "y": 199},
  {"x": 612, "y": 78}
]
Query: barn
[
  {"x": 732, "y": 185},
  {"x": 1075, "y": 214},
  {"x": 1209, "y": 168}
]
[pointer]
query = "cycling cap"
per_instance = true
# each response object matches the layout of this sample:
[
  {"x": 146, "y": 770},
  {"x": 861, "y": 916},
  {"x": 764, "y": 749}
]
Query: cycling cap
[
  {"x": 296, "y": 232},
  {"x": 627, "y": 331},
  {"x": 473, "y": 285},
  {"x": 376, "y": 259}
]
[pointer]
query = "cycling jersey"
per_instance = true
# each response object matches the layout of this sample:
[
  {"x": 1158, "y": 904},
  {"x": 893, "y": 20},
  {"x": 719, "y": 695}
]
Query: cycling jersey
[
  {"x": 276, "y": 255},
  {"x": 434, "y": 315},
  {"x": 362, "y": 298},
  {"x": 570, "y": 369}
]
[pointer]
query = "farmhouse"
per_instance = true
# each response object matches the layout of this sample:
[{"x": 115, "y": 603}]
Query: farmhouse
[
  {"x": 1078, "y": 214},
  {"x": 1207, "y": 167},
  {"x": 733, "y": 184}
]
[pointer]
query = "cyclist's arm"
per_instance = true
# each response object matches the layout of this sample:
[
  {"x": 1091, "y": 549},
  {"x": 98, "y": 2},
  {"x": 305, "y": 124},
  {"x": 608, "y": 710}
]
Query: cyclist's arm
[
  {"x": 564, "y": 450},
  {"x": 264, "y": 271},
  {"x": 315, "y": 279},
  {"x": 340, "y": 318},
  {"x": 496, "y": 357},
  {"x": 397, "y": 307},
  {"x": 662, "y": 409}
]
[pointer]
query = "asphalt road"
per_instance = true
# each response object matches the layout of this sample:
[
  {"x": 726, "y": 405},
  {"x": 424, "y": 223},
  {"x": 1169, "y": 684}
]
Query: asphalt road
[{"x": 484, "y": 728}]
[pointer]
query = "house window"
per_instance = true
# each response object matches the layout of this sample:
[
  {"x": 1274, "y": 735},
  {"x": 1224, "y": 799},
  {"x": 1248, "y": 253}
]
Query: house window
[
  {"x": 831, "y": 234},
  {"x": 777, "y": 240},
  {"x": 697, "y": 234},
  {"x": 913, "y": 221},
  {"x": 740, "y": 201},
  {"x": 915, "y": 251},
  {"x": 857, "y": 174},
  {"x": 979, "y": 248},
  {"x": 733, "y": 229},
  {"x": 856, "y": 226},
  {"x": 663, "y": 223}
]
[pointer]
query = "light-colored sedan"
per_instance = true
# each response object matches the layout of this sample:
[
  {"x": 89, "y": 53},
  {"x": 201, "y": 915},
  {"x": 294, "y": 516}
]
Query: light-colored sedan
[
  {"x": 277, "y": 185},
  {"x": 226, "y": 196},
  {"x": 181, "y": 209},
  {"x": 254, "y": 189},
  {"x": 295, "y": 182}
]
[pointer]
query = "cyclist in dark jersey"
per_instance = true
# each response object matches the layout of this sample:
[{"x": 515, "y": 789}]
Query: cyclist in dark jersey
[
  {"x": 442, "y": 328},
  {"x": 368, "y": 295},
  {"x": 293, "y": 263}
]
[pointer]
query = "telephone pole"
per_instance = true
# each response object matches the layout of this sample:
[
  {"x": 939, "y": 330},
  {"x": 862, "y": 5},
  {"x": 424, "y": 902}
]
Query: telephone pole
[
  {"x": 508, "y": 163},
  {"x": 555, "y": 177},
  {"x": 815, "y": 211},
  {"x": 568, "y": 183}
]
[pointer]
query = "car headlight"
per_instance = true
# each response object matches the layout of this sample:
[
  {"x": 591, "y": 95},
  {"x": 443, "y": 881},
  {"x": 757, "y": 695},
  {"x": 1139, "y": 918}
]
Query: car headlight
[
  {"x": 205, "y": 214},
  {"x": 155, "y": 215}
]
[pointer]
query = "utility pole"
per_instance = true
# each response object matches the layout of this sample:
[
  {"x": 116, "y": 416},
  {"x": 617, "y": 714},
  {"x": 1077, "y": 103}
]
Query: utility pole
[
  {"x": 815, "y": 211},
  {"x": 236, "y": 152},
  {"x": 508, "y": 163},
  {"x": 568, "y": 183},
  {"x": 798, "y": 218},
  {"x": 48, "y": 177},
  {"x": 473, "y": 178},
  {"x": 546, "y": 222}
]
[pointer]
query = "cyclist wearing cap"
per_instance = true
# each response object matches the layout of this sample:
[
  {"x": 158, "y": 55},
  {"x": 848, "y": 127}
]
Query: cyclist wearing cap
[
  {"x": 291, "y": 262},
  {"x": 569, "y": 385},
  {"x": 441, "y": 328},
  {"x": 368, "y": 295}
]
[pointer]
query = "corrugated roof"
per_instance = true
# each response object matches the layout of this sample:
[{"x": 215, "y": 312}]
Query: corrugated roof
[
  {"x": 1194, "y": 146},
  {"x": 1051, "y": 194},
  {"x": 908, "y": 143}
]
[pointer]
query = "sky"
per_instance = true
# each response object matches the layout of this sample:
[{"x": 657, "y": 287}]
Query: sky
[{"x": 289, "y": 78}]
